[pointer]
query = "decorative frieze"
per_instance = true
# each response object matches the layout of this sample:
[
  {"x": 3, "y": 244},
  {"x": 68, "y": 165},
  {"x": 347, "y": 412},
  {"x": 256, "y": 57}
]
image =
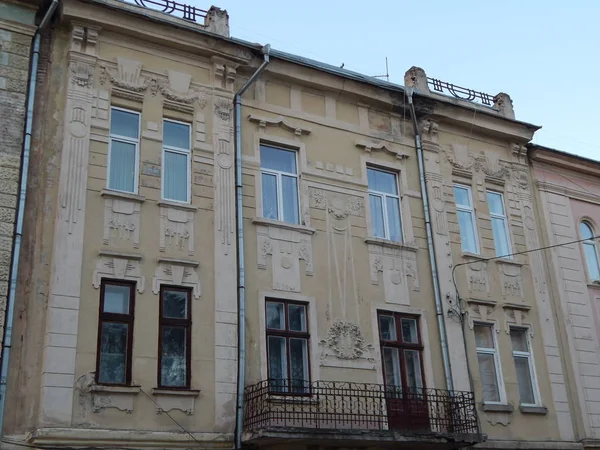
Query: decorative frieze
[
  {"x": 345, "y": 347},
  {"x": 511, "y": 280},
  {"x": 264, "y": 122},
  {"x": 517, "y": 315},
  {"x": 477, "y": 278},
  {"x": 168, "y": 400},
  {"x": 176, "y": 229},
  {"x": 119, "y": 266},
  {"x": 117, "y": 397},
  {"x": 121, "y": 222},
  {"x": 481, "y": 310},
  {"x": 369, "y": 146}
]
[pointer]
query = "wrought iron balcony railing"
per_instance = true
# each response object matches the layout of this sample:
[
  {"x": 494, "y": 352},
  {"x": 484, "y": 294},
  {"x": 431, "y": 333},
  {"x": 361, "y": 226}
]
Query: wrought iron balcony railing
[{"x": 335, "y": 405}]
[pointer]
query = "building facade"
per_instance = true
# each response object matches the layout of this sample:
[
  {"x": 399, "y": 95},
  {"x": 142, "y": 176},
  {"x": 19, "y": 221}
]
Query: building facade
[
  {"x": 568, "y": 195},
  {"x": 381, "y": 301}
]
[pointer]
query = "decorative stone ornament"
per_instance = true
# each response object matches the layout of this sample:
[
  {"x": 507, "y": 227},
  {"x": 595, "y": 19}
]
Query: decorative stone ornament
[{"x": 346, "y": 347}]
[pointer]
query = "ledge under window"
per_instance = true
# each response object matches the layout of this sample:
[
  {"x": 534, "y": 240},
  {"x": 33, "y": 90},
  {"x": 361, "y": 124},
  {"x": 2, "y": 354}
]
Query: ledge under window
[
  {"x": 180, "y": 205},
  {"x": 469, "y": 255},
  {"x": 122, "y": 195},
  {"x": 497, "y": 407},
  {"x": 533, "y": 409},
  {"x": 390, "y": 244},
  {"x": 176, "y": 392},
  {"x": 510, "y": 261},
  {"x": 109, "y": 389},
  {"x": 285, "y": 225}
]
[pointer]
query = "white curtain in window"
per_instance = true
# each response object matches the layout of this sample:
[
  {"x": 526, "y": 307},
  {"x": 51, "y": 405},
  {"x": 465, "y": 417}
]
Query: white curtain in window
[
  {"x": 269, "y": 196},
  {"x": 122, "y": 166},
  {"x": 393, "y": 212},
  {"x": 175, "y": 176},
  {"x": 290, "y": 199},
  {"x": 376, "y": 206}
]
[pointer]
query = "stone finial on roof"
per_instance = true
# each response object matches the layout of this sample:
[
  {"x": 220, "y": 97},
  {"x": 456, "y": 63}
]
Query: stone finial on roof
[
  {"x": 217, "y": 21},
  {"x": 504, "y": 105},
  {"x": 416, "y": 78}
]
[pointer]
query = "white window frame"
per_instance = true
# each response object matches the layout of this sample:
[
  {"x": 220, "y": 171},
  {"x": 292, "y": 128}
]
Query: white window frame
[
  {"x": 531, "y": 361},
  {"x": 504, "y": 218},
  {"x": 181, "y": 151},
  {"x": 496, "y": 354},
  {"x": 591, "y": 243},
  {"x": 384, "y": 196},
  {"x": 279, "y": 174},
  {"x": 129, "y": 140},
  {"x": 470, "y": 210}
]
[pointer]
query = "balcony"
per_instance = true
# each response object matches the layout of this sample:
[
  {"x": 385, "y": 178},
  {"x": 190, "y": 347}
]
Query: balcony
[{"x": 358, "y": 414}]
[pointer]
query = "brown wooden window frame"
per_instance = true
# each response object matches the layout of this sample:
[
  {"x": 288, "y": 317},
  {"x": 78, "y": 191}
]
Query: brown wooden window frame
[
  {"x": 288, "y": 334},
  {"x": 176, "y": 322},
  {"x": 116, "y": 318},
  {"x": 401, "y": 345}
]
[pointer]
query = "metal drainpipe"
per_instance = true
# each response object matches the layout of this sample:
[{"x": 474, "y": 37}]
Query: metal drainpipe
[
  {"x": 241, "y": 286},
  {"x": 10, "y": 306},
  {"x": 439, "y": 310}
]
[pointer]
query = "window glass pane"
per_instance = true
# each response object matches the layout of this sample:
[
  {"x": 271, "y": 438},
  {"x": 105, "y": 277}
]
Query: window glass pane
[
  {"x": 113, "y": 353},
  {"x": 483, "y": 336},
  {"x": 524, "y": 380},
  {"x": 297, "y": 317},
  {"x": 116, "y": 299},
  {"x": 175, "y": 173},
  {"x": 175, "y": 304},
  {"x": 461, "y": 196},
  {"x": 500, "y": 237},
  {"x": 591, "y": 258},
  {"x": 122, "y": 166},
  {"x": 391, "y": 367},
  {"x": 298, "y": 364},
  {"x": 413, "y": 369},
  {"x": 382, "y": 181},
  {"x": 277, "y": 363},
  {"x": 393, "y": 212},
  {"x": 290, "y": 199},
  {"x": 278, "y": 159},
  {"x": 176, "y": 134},
  {"x": 489, "y": 381},
  {"x": 173, "y": 359},
  {"x": 275, "y": 316},
  {"x": 585, "y": 231},
  {"x": 387, "y": 327},
  {"x": 495, "y": 203},
  {"x": 376, "y": 206},
  {"x": 124, "y": 123},
  {"x": 269, "y": 196},
  {"x": 467, "y": 233},
  {"x": 409, "y": 331},
  {"x": 518, "y": 338}
]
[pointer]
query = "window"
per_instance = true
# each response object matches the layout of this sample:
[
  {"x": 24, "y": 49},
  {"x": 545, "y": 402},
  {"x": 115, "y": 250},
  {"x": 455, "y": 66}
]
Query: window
[
  {"x": 499, "y": 223},
  {"x": 115, "y": 333},
  {"x": 401, "y": 349},
  {"x": 123, "y": 150},
  {"x": 523, "y": 365},
  {"x": 489, "y": 365},
  {"x": 287, "y": 346},
  {"x": 176, "y": 161},
  {"x": 589, "y": 251},
  {"x": 384, "y": 204},
  {"x": 466, "y": 219},
  {"x": 174, "y": 344},
  {"x": 279, "y": 184}
]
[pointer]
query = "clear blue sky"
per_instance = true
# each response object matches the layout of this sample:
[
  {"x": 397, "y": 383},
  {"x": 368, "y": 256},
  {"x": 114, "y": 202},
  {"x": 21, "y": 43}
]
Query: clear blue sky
[{"x": 544, "y": 53}]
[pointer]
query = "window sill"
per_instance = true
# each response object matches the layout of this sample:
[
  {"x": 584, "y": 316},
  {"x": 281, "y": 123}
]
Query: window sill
[
  {"x": 509, "y": 261},
  {"x": 180, "y": 262},
  {"x": 117, "y": 254},
  {"x": 108, "y": 389},
  {"x": 176, "y": 392},
  {"x": 541, "y": 410},
  {"x": 122, "y": 195},
  {"x": 180, "y": 205},
  {"x": 390, "y": 244},
  {"x": 469, "y": 255},
  {"x": 296, "y": 399},
  {"x": 594, "y": 284},
  {"x": 497, "y": 407},
  {"x": 285, "y": 225}
]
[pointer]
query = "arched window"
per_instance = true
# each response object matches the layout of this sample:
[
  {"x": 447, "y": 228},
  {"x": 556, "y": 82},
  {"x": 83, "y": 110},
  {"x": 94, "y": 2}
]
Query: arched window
[{"x": 589, "y": 249}]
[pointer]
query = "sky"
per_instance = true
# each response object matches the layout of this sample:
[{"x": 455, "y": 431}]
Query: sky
[{"x": 544, "y": 53}]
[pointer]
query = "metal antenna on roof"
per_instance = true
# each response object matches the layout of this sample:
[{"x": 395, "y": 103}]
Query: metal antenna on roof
[{"x": 387, "y": 73}]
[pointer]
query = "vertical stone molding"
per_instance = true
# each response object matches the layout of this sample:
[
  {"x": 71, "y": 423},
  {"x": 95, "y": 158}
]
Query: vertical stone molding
[
  {"x": 58, "y": 368},
  {"x": 225, "y": 255}
]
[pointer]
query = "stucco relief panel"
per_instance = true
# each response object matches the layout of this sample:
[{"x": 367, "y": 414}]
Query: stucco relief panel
[
  {"x": 176, "y": 230},
  {"x": 121, "y": 222},
  {"x": 346, "y": 347},
  {"x": 511, "y": 281},
  {"x": 286, "y": 248},
  {"x": 176, "y": 274},
  {"x": 398, "y": 269},
  {"x": 478, "y": 279},
  {"x": 120, "y": 267}
]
